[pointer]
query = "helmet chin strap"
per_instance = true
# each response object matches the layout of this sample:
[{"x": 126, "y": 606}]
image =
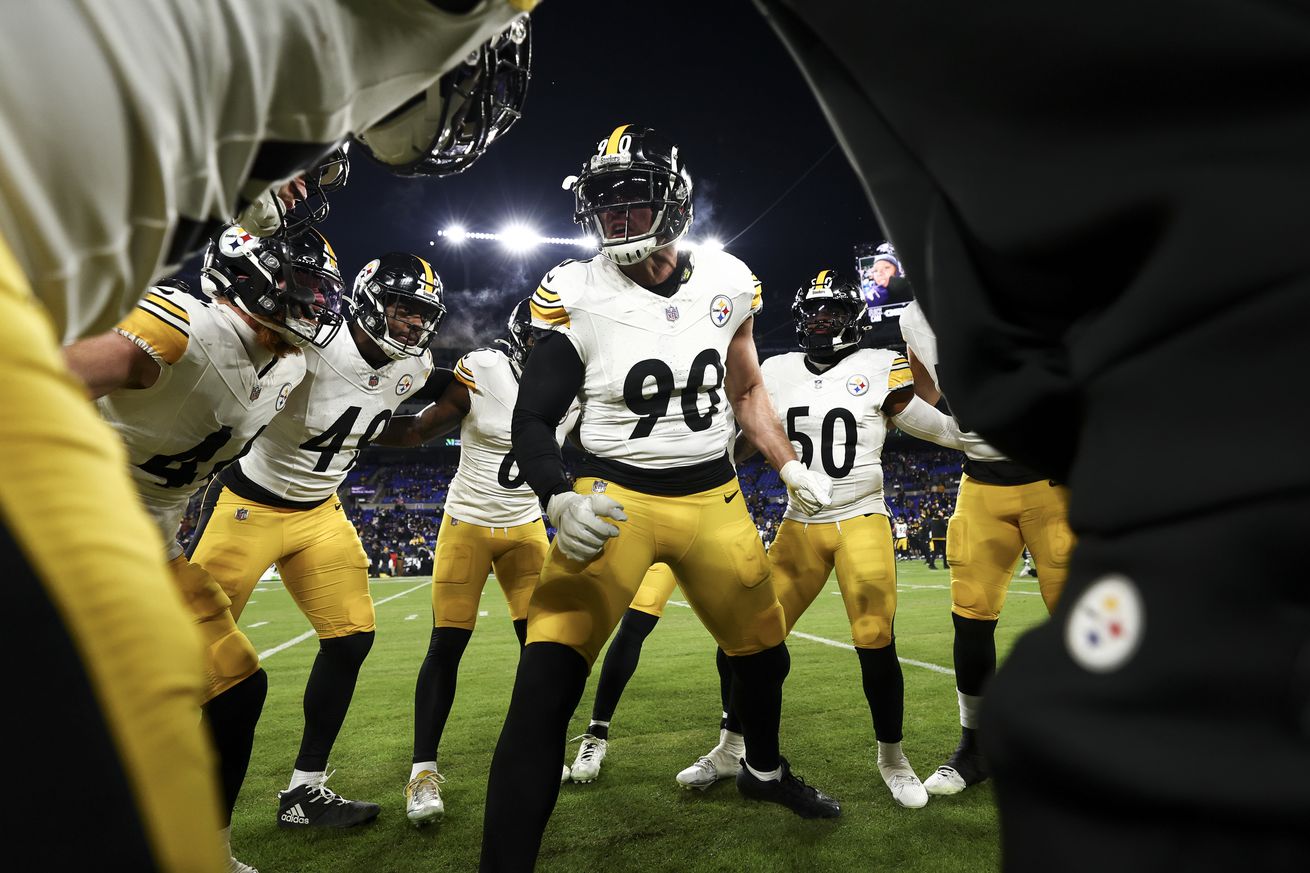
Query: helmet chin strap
[
  {"x": 387, "y": 348},
  {"x": 281, "y": 330}
]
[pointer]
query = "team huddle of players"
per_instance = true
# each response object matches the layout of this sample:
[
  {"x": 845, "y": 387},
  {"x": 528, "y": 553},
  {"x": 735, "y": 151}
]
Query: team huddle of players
[{"x": 265, "y": 393}]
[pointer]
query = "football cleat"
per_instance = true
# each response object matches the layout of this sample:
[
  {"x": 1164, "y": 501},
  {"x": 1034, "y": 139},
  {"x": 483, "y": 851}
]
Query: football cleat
[
  {"x": 905, "y": 787},
  {"x": 314, "y": 805},
  {"x": 789, "y": 791},
  {"x": 586, "y": 766},
  {"x": 962, "y": 769},
  {"x": 235, "y": 866},
  {"x": 423, "y": 803},
  {"x": 718, "y": 763},
  {"x": 564, "y": 777}
]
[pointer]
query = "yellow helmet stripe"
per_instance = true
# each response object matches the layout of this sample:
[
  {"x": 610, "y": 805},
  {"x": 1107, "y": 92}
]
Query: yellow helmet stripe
[
  {"x": 819, "y": 279},
  {"x": 612, "y": 147},
  {"x": 427, "y": 273}
]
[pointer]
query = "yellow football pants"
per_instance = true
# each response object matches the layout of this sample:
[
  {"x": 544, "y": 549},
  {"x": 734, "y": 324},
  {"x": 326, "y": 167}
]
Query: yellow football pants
[
  {"x": 655, "y": 591},
  {"x": 467, "y": 552},
  {"x": 803, "y": 555},
  {"x": 709, "y": 542},
  {"x": 317, "y": 551},
  {"x": 230, "y": 657},
  {"x": 92, "y": 560},
  {"x": 986, "y": 536}
]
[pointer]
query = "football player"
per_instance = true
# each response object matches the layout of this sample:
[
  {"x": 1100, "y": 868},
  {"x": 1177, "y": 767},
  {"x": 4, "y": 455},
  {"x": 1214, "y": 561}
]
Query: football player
[
  {"x": 278, "y": 504},
  {"x": 492, "y": 521},
  {"x": 130, "y": 135},
  {"x": 1002, "y": 507},
  {"x": 621, "y": 658},
  {"x": 187, "y": 384},
  {"x": 837, "y": 401},
  {"x": 654, "y": 345},
  {"x": 901, "y": 538}
]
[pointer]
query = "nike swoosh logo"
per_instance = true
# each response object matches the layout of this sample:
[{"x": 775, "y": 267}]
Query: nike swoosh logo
[{"x": 728, "y": 499}]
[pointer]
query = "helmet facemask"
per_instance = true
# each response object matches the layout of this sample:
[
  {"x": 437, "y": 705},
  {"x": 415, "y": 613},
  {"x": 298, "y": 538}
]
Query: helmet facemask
[
  {"x": 445, "y": 129},
  {"x": 327, "y": 176}
]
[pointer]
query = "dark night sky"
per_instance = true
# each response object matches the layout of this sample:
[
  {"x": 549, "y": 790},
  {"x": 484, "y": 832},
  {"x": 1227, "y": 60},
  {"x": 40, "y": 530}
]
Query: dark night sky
[{"x": 712, "y": 77}]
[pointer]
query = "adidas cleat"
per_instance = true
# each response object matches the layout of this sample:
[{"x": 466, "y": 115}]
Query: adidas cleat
[
  {"x": 423, "y": 803},
  {"x": 586, "y": 766},
  {"x": 964, "y": 768},
  {"x": 904, "y": 785},
  {"x": 789, "y": 791},
  {"x": 719, "y": 763},
  {"x": 314, "y": 805}
]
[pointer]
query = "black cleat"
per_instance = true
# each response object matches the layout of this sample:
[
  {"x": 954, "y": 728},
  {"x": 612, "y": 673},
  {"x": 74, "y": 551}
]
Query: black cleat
[
  {"x": 965, "y": 767},
  {"x": 790, "y": 791},
  {"x": 317, "y": 806}
]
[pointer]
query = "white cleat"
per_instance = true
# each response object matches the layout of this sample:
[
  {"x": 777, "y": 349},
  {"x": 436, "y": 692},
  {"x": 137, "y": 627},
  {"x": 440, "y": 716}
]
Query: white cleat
[
  {"x": 564, "y": 777},
  {"x": 235, "y": 866},
  {"x": 945, "y": 781},
  {"x": 905, "y": 787},
  {"x": 586, "y": 767},
  {"x": 719, "y": 763},
  {"x": 423, "y": 803}
]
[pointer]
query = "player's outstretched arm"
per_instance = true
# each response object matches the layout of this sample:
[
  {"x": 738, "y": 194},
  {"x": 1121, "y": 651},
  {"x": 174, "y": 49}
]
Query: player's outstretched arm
[
  {"x": 439, "y": 417},
  {"x": 110, "y": 361},
  {"x": 760, "y": 424},
  {"x": 914, "y": 416},
  {"x": 924, "y": 386}
]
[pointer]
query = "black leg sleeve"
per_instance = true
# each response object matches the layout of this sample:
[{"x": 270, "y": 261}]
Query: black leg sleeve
[
  {"x": 328, "y": 692},
  {"x": 975, "y": 653},
  {"x": 521, "y": 631},
  {"x": 884, "y": 688},
  {"x": 232, "y": 717},
  {"x": 757, "y": 696},
  {"x": 524, "y": 780},
  {"x": 620, "y": 663},
  {"x": 434, "y": 693},
  {"x": 729, "y": 722}
]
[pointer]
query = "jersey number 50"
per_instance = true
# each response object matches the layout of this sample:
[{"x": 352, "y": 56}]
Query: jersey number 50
[{"x": 828, "y": 435}]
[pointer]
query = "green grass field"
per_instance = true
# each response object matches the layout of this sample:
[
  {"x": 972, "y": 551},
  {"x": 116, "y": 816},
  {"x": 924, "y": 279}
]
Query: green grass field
[{"x": 634, "y": 817}]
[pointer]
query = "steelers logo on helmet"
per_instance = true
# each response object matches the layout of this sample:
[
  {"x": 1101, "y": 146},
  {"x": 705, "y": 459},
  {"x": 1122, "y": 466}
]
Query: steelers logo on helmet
[
  {"x": 445, "y": 129},
  {"x": 398, "y": 300},
  {"x": 634, "y": 194},
  {"x": 830, "y": 314},
  {"x": 289, "y": 284}
]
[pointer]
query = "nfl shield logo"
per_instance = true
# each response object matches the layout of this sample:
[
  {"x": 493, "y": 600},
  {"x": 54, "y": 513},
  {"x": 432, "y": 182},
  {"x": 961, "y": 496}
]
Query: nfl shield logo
[
  {"x": 818, "y": 383},
  {"x": 671, "y": 313},
  {"x": 373, "y": 380},
  {"x": 255, "y": 392},
  {"x": 243, "y": 514},
  {"x": 599, "y": 487}
]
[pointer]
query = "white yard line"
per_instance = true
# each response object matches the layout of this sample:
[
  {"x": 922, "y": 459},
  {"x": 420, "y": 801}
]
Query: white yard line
[
  {"x": 268, "y": 653},
  {"x": 258, "y": 624},
  {"x": 936, "y": 668}
]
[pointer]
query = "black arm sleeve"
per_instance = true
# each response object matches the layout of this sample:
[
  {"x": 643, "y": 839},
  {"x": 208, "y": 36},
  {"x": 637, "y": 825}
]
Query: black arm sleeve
[{"x": 551, "y": 380}]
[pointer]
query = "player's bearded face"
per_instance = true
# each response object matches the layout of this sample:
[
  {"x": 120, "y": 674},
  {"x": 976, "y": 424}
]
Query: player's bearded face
[{"x": 409, "y": 322}]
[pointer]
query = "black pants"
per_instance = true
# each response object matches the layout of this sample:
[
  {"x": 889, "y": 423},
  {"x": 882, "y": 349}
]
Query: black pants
[{"x": 1194, "y": 752}]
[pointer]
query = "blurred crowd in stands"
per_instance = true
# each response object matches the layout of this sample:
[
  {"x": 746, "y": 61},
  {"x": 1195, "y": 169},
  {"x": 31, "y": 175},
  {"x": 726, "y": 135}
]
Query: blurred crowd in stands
[{"x": 397, "y": 507}]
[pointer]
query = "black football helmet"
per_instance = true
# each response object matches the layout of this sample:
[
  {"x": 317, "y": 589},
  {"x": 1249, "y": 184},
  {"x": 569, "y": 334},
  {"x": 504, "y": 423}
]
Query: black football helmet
[
  {"x": 830, "y": 314},
  {"x": 397, "y": 299},
  {"x": 519, "y": 336},
  {"x": 445, "y": 129},
  {"x": 633, "y": 168},
  {"x": 328, "y": 175},
  {"x": 290, "y": 284}
]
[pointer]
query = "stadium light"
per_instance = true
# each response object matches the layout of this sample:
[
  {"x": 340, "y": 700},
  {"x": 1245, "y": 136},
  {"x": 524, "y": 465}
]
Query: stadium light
[
  {"x": 518, "y": 238},
  {"x": 454, "y": 233},
  {"x": 712, "y": 244}
]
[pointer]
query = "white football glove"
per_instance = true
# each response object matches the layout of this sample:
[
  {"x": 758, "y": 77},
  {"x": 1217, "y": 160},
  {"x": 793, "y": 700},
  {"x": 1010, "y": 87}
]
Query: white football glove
[
  {"x": 580, "y": 526},
  {"x": 263, "y": 217},
  {"x": 809, "y": 491}
]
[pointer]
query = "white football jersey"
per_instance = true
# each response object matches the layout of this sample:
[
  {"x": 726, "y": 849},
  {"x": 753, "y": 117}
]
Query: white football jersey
[
  {"x": 488, "y": 488},
  {"x": 217, "y": 388},
  {"x": 922, "y": 340},
  {"x": 131, "y": 126},
  {"x": 835, "y": 422},
  {"x": 901, "y": 530},
  {"x": 342, "y": 405},
  {"x": 653, "y": 394}
]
